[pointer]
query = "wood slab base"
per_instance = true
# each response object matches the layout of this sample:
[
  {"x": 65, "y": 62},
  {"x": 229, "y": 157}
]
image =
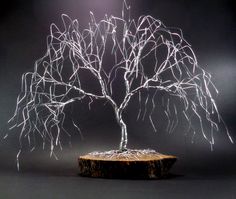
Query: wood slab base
[{"x": 133, "y": 164}]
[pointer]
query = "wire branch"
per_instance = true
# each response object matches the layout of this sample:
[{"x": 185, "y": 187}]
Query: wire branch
[{"x": 141, "y": 54}]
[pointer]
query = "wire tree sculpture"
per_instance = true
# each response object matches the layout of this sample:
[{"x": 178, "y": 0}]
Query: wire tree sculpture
[{"x": 146, "y": 56}]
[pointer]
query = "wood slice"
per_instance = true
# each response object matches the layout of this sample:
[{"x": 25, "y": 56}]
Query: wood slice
[{"x": 139, "y": 164}]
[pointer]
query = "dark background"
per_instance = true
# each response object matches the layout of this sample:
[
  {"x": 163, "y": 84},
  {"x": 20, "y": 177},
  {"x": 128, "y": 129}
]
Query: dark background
[{"x": 210, "y": 26}]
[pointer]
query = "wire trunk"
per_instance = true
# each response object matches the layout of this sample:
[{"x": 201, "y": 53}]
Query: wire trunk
[{"x": 124, "y": 137}]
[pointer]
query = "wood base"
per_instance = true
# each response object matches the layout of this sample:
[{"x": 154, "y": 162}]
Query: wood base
[{"x": 139, "y": 164}]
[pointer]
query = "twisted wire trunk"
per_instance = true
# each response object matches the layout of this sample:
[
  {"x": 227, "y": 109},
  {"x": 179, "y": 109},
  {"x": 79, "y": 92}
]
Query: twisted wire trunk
[{"x": 124, "y": 136}]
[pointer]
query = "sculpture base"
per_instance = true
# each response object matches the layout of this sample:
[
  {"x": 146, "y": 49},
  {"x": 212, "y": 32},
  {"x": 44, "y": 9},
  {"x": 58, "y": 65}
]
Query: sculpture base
[{"x": 139, "y": 164}]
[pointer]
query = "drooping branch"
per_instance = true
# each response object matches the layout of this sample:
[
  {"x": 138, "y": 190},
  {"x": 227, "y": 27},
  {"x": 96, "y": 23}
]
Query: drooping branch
[{"x": 137, "y": 55}]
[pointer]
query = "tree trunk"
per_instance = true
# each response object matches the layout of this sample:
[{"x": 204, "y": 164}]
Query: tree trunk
[{"x": 124, "y": 137}]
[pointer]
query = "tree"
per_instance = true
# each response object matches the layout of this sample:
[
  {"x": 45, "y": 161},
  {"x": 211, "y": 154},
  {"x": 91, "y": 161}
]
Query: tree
[{"x": 142, "y": 54}]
